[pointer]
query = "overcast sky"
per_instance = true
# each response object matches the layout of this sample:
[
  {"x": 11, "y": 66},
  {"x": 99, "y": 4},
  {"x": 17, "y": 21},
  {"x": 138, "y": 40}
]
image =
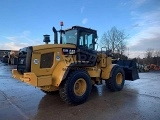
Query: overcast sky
[{"x": 24, "y": 22}]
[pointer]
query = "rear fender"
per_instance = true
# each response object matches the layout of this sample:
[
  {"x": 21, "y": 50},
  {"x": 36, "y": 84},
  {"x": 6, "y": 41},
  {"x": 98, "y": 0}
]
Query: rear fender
[
  {"x": 59, "y": 73},
  {"x": 70, "y": 68}
]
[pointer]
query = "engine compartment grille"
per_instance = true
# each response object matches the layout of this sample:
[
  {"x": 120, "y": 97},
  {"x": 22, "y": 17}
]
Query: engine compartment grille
[{"x": 47, "y": 60}]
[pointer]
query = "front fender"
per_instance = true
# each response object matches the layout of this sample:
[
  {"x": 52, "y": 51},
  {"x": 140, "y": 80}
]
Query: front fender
[{"x": 108, "y": 71}]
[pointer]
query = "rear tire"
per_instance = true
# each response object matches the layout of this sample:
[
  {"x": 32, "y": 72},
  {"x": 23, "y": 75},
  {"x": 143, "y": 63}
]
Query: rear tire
[
  {"x": 116, "y": 82},
  {"x": 76, "y": 88}
]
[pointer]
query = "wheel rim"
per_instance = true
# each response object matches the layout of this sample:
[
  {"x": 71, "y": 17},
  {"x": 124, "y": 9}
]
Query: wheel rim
[
  {"x": 119, "y": 78},
  {"x": 80, "y": 87}
]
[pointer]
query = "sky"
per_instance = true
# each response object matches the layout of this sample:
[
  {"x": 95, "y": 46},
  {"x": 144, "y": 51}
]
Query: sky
[{"x": 24, "y": 22}]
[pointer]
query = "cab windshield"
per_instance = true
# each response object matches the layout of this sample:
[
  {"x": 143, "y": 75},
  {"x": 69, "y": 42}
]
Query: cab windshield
[{"x": 70, "y": 37}]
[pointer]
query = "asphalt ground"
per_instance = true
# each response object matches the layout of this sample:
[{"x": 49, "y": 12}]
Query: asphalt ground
[{"x": 139, "y": 100}]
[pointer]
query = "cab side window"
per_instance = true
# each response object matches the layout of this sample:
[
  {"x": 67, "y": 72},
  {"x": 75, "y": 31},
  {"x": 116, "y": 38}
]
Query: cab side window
[{"x": 86, "y": 40}]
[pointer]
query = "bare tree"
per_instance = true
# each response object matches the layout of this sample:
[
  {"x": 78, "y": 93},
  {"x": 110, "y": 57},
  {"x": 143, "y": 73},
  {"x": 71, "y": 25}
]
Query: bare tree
[
  {"x": 149, "y": 53},
  {"x": 157, "y": 53},
  {"x": 114, "y": 40}
]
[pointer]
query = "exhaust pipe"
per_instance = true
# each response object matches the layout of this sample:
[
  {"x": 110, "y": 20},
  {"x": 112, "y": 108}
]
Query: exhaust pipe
[{"x": 55, "y": 35}]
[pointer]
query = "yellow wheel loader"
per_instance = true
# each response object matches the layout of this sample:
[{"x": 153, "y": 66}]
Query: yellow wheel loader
[{"x": 70, "y": 66}]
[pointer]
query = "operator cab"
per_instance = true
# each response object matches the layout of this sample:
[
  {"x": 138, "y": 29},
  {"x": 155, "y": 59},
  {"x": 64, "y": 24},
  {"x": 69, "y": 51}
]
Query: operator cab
[{"x": 84, "y": 39}]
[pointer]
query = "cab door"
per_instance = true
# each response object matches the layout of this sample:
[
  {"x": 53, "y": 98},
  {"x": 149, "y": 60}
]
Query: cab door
[{"x": 86, "y": 54}]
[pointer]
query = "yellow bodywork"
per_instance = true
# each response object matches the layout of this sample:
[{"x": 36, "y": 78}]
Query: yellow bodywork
[{"x": 49, "y": 79}]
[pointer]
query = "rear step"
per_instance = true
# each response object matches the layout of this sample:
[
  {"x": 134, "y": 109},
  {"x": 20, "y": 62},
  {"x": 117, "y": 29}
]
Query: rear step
[{"x": 129, "y": 67}]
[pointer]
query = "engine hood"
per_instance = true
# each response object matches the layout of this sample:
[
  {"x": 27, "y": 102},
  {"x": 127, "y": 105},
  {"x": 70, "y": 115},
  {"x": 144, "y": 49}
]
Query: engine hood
[{"x": 50, "y": 46}]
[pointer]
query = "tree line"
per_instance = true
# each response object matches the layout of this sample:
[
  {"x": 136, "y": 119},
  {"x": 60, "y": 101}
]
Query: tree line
[
  {"x": 152, "y": 56},
  {"x": 115, "y": 40}
]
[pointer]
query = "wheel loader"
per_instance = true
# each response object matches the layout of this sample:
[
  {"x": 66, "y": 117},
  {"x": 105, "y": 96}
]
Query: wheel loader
[
  {"x": 10, "y": 57},
  {"x": 71, "y": 65}
]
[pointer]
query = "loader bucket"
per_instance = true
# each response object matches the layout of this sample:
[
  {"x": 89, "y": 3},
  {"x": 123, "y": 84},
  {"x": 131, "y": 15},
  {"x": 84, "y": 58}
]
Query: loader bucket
[{"x": 130, "y": 69}]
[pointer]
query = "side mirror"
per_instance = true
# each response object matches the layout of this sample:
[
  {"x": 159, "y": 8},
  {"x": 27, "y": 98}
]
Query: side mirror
[
  {"x": 96, "y": 40},
  {"x": 96, "y": 46}
]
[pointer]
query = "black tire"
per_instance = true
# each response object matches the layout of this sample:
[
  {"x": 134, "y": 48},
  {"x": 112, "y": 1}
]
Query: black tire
[
  {"x": 50, "y": 92},
  {"x": 116, "y": 82},
  {"x": 76, "y": 88}
]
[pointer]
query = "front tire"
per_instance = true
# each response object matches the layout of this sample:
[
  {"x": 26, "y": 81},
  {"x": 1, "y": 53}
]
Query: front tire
[
  {"x": 116, "y": 82},
  {"x": 76, "y": 88}
]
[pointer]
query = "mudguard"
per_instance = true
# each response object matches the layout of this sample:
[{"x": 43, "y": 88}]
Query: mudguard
[{"x": 129, "y": 67}]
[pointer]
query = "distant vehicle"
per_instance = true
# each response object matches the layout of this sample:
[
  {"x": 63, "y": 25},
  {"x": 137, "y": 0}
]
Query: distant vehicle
[
  {"x": 154, "y": 67},
  {"x": 10, "y": 58}
]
